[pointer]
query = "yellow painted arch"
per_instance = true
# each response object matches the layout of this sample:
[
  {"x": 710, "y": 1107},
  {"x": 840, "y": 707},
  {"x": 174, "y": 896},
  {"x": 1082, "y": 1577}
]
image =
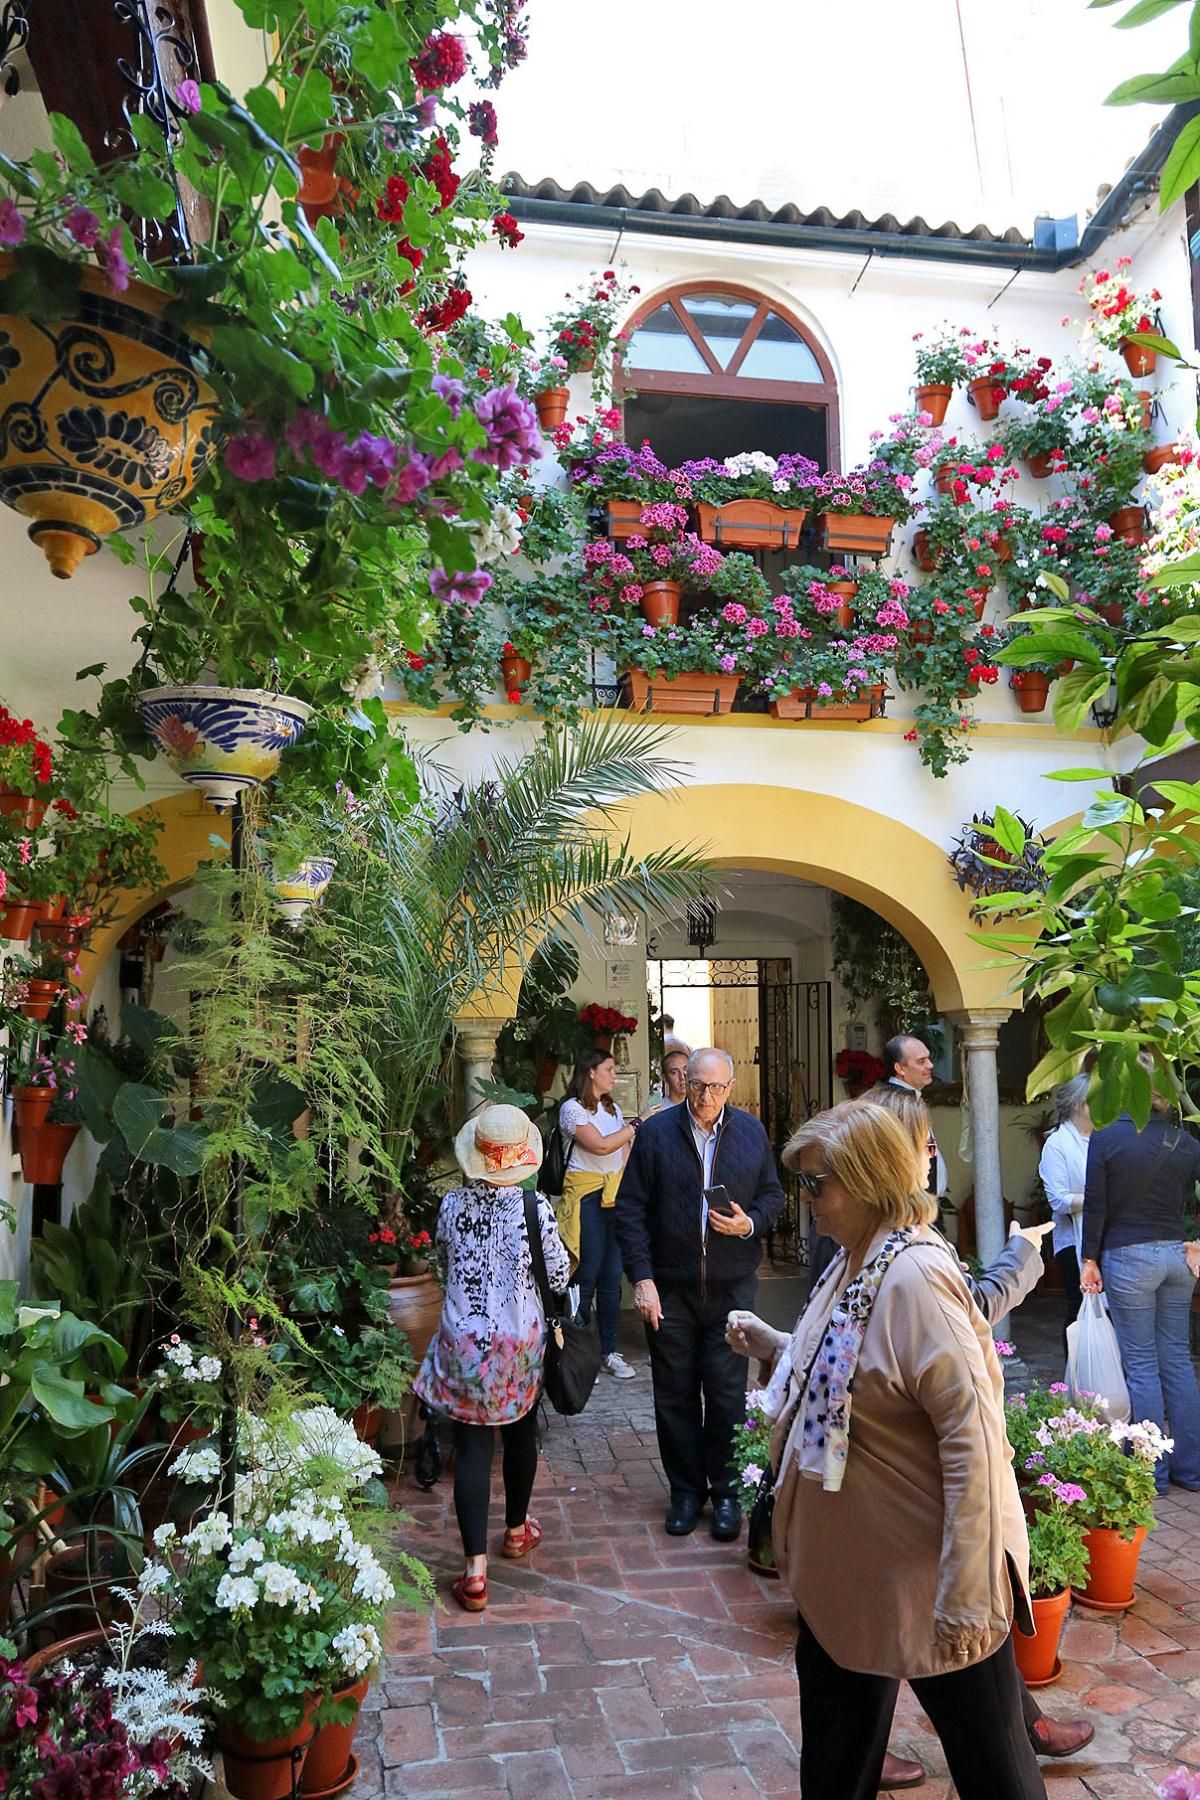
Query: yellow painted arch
[{"x": 900, "y": 874}]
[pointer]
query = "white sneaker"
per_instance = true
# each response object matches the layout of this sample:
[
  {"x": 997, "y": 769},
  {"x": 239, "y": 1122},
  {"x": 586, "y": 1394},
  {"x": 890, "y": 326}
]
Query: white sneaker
[{"x": 615, "y": 1364}]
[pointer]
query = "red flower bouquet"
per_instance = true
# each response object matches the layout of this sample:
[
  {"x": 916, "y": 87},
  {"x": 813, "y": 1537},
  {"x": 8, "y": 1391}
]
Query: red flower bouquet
[
  {"x": 858, "y": 1069},
  {"x": 606, "y": 1021}
]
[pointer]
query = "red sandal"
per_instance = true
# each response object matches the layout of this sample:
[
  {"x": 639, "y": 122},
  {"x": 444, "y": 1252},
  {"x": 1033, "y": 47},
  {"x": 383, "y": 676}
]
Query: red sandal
[
  {"x": 471, "y": 1592},
  {"x": 522, "y": 1540}
]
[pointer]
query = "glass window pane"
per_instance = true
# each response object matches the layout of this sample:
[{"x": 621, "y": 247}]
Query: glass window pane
[
  {"x": 779, "y": 353},
  {"x": 661, "y": 342},
  {"x": 722, "y": 320}
]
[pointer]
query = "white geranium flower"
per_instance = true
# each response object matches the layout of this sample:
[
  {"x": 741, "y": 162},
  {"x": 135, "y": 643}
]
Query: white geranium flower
[
  {"x": 179, "y": 1354},
  {"x": 202, "y": 1466},
  {"x": 497, "y": 537},
  {"x": 165, "y": 1534},
  {"x": 751, "y": 462},
  {"x": 250, "y": 1550},
  {"x": 154, "y": 1578},
  {"x": 367, "y": 680},
  {"x": 209, "y": 1368},
  {"x": 237, "y": 1593},
  {"x": 209, "y": 1536},
  {"x": 359, "y": 1648}
]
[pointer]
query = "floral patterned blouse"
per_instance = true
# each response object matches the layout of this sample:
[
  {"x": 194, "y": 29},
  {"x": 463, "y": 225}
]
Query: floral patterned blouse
[{"x": 484, "y": 1365}]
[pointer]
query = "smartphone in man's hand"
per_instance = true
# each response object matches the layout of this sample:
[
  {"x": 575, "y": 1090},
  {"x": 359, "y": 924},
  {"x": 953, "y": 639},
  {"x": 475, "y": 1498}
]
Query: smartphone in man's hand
[{"x": 717, "y": 1200}]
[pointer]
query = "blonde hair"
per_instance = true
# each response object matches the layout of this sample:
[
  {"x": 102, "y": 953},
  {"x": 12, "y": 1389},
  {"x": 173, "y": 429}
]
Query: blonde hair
[
  {"x": 908, "y": 1107},
  {"x": 874, "y": 1156}
]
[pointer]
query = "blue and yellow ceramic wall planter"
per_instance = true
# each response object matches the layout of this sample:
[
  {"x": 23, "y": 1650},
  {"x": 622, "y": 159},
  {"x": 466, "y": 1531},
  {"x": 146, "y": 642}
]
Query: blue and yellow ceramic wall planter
[
  {"x": 105, "y": 421},
  {"x": 222, "y": 740},
  {"x": 304, "y": 887}
]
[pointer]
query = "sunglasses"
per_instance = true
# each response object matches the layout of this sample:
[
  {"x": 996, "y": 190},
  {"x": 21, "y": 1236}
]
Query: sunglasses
[{"x": 810, "y": 1183}]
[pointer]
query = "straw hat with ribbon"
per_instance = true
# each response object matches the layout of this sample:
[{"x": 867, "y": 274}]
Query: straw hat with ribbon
[{"x": 500, "y": 1146}]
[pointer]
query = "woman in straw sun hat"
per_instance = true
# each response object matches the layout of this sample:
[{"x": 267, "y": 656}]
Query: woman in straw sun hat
[{"x": 484, "y": 1366}]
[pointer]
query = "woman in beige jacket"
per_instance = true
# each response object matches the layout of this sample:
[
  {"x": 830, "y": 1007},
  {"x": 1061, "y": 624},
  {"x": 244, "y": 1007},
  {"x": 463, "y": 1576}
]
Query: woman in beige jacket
[{"x": 898, "y": 1526}]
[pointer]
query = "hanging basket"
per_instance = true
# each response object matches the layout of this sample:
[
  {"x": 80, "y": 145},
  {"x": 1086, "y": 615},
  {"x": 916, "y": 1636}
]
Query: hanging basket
[
  {"x": 222, "y": 740},
  {"x": 933, "y": 398},
  {"x": 104, "y": 421},
  {"x": 751, "y": 525},
  {"x": 863, "y": 532},
  {"x": 693, "y": 693},
  {"x": 805, "y": 703},
  {"x": 298, "y": 892}
]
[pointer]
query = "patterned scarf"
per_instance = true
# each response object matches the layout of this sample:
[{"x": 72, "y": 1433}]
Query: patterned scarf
[{"x": 825, "y": 1439}]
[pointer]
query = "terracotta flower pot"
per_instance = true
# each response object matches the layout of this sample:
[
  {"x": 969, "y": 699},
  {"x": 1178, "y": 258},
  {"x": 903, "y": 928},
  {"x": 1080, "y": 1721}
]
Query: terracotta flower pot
[
  {"x": 933, "y": 397},
  {"x": 40, "y": 996},
  {"x": 20, "y": 917},
  {"x": 1112, "y": 1569},
  {"x": 15, "y": 804},
  {"x": 551, "y": 406},
  {"x": 1041, "y": 466},
  {"x": 1139, "y": 358},
  {"x": 661, "y": 601},
  {"x": 415, "y": 1303},
  {"x": 1129, "y": 522},
  {"x": 30, "y": 1106},
  {"x": 44, "y": 1151},
  {"x": 320, "y": 186},
  {"x": 366, "y": 1420},
  {"x": 1032, "y": 691},
  {"x": 514, "y": 673},
  {"x": 1113, "y": 613},
  {"x": 547, "y": 1070},
  {"x": 693, "y": 693},
  {"x": 81, "y": 1582},
  {"x": 1159, "y": 457},
  {"x": 110, "y": 439},
  {"x": 267, "y": 1768},
  {"x": 66, "y": 1649},
  {"x": 985, "y": 394},
  {"x": 845, "y": 591},
  {"x": 1147, "y": 400},
  {"x": 945, "y": 477},
  {"x": 924, "y": 556},
  {"x": 806, "y": 703},
  {"x": 329, "y": 1754},
  {"x": 1002, "y": 550},
  {"x": 863, "y": 532},
  {"x": 751, "y": 525},
  {"x": 1037, "y": 1656}
]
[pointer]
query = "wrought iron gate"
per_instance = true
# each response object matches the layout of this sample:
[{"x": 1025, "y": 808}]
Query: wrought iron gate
[{"x": 793, "y": 1058}]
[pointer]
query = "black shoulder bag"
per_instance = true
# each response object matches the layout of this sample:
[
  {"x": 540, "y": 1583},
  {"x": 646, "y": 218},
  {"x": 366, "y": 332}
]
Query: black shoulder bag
[
  {"x": 555, "y": 1162},
  {"x": 572, "y": 1357}
]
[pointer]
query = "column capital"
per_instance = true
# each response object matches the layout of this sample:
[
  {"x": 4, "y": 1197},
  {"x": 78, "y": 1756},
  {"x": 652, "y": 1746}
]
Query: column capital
[
  {"x": 472, "y": 1036},
  {"x": 981, "y": 1025}
]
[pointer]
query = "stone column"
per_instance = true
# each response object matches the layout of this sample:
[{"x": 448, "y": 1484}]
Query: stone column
[
  {"x": 475, "y": 1047},
  {"x": 980, "y": 1031}
]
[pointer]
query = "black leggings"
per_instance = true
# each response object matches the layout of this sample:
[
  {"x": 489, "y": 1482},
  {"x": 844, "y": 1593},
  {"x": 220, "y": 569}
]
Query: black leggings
[
  {"x": 473, "y": 1446},
  {"x": 977, "y": 1712}
]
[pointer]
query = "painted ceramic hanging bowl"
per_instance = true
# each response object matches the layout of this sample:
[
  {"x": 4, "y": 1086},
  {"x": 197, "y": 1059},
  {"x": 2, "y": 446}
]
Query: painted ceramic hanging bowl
[
  {"x": 304, "y": 887},
  {"x": 222, "y": 740},
  {"x": 104, "y": 420}
]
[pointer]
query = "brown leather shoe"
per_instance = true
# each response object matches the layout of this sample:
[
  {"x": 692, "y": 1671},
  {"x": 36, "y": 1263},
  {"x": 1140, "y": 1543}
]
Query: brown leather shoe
[
  {"x": 1060, "y": 1737},
  {"x": 898, "y": 1773}
]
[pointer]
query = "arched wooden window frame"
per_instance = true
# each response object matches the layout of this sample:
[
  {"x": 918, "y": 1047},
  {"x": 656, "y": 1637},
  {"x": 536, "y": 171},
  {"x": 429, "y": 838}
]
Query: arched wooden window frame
[{"x": 719, "y": 383}]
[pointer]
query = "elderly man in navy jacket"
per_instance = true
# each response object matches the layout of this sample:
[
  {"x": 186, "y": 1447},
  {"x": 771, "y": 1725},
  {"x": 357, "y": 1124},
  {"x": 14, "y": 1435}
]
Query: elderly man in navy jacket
[{"x": 690, "y": 1264}]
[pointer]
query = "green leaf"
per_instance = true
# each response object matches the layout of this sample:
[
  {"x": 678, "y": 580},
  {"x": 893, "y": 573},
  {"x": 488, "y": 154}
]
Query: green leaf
[
  {"x": 98, "y": 1080},
  {"x": 378, "y": 50},
  {"x": 139, "y": 1111},
  {"x": 450, "y": 547},
  {"x": 1182, "y": 794},
  {"x": 294, "y": 219},
  {"x": 144, "y": 193},
  {"x": 1107, "y": 809},
  {"x": 1177, "y": 574},
  {"x": 19, "y": 178},
  {"x": 1055, "y": 583},
  {"x": 65, "y": 1400},
  {"x": 1078, "y": 775},
  {"x": 42, "y": 285},
  {"x": 1155, "y": 90},
  {"x": 1143, "y": 12},
  {"x": 68, "y": 141},
  {"x": 1055, "y": 1067},
  {"x": 1152, "y": 340},
  {"x": 1075, "y": 693},
  {"x": 1008, "y": 832}
]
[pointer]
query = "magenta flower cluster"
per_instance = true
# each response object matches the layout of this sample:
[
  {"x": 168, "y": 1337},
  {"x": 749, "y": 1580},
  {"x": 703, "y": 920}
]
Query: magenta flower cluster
[{"x": 513, "y": 434}]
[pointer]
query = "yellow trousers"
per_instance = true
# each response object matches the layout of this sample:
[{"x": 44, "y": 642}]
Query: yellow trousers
[{"x": 577, "y": 1183}]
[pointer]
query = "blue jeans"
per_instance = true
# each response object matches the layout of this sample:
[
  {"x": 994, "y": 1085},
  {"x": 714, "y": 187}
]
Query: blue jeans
[
  {"x": 599, "y": 1271},
  {"x": 1149, "y": 1288}
]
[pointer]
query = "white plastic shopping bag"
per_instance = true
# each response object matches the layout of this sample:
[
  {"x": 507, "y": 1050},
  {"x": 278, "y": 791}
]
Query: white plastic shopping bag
[{"x": 1094, "y": 1359}]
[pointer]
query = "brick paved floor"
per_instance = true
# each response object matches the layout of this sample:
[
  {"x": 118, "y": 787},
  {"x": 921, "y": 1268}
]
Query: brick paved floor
[{"x": 618, "y": 1661}]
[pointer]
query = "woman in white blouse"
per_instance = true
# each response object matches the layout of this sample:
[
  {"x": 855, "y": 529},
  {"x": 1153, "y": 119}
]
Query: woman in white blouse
[
  {"x": 596, "y": 1140},
  {"x": 1062, "y": 1169}
]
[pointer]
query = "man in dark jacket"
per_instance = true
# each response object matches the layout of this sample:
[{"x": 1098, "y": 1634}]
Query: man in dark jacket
[{"x": 689, "y": 1265}]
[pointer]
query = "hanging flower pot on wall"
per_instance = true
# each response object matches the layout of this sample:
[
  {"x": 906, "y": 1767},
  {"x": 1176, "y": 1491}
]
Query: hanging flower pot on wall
[
  {"x": 661, "y": 601},
  {"x": 104, "y": 420},
  {"x": 1032, "y": 689},
  {"x": 551, "y": 407},
  {"x": 222, "y": 740},
  {"x": 1140, "y": 359},
  {"x": 514, "y": 672},
  {"x": 985, "y": 395},
  {"x": 44, "y": 1151},
  {"x": 22, "y": 807},
  {"x": 304, "y": 887},
  {"x": 933, "y": 398},
  {"x": 1160, "y": 457}
]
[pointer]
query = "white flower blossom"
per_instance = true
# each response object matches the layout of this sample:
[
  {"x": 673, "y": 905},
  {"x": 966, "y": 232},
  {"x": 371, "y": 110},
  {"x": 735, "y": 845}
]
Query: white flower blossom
[
  {"x": 250, "y": 1550},
  {"x": 367, "y": 680},
  {"x": 751, "y": 1475},
  {"x": 209, "y": 1536},
  {"x": 495, "y": 538},
  {"x": 155, "y": 1576},
  {"x": 202, "y": 1466},
  {"x": 237, "y": 1593},
  {"x": 165, "y": 1534},
  {"x": 209, "y": 1368},
  {"x": 751, "y": 462},
  {"x": 179, "y": 1354},
  {"x": 359, "y": 1648},
  {"x": 283, "y": 1587}
]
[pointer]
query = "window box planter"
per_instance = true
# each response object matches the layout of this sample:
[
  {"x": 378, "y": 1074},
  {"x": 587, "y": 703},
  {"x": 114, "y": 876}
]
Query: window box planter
[
  {"x": 751, "y": 525},
  {"x": 108, "y": 440},
  {"x": 985, "y": 394},
  {"x": 1139, "y": 358},
  {"x": 933, "y": 398},
  {"x": 692, "y": 693},
  {"x": 863, "y": 532},
  {"x": 1129, "y": 522},
  {"x": 551, "y": 406},
  {"x": 804, "y": 703},
  {"x": 625, "y": 518}
]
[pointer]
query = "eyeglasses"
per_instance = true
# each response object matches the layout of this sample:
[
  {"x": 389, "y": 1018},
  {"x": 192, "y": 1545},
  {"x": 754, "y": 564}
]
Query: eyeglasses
[
  {"x": 708, "y": 1087},
  {"x": 810, "y": 1183}
]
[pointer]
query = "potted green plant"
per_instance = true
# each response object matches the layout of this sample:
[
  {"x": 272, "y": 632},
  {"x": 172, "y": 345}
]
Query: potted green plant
[
  {"x": 832, "y": 678},
  {"x": 1117, "y": 312},
  {"x": 651, "y": 568},
  {"x": 751, "y": 1461},
  {"x": 1040, "y": 437},
  {"x": 605, "y": 471},
  {"x": 584, "y": 333},
  {"x": 694, "y": 667},
  {"x": 1058, "y": 1563},
  {"x": 941, "y": 366},
  {"x": 946, "y": 655},
  {"x": 26, "y": 771},
  {"x": 543, "y": 656},
  {"x": 859, "y": 511},
  {"x": 988, "y": 374},
  {"x": 1107, "y": 463}
]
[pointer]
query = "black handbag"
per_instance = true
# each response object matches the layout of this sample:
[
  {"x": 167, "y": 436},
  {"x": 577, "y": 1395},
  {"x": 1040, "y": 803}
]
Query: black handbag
[
  {"x": 555, "y": 1161},
  {"x": 572, "y": 1355}
]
